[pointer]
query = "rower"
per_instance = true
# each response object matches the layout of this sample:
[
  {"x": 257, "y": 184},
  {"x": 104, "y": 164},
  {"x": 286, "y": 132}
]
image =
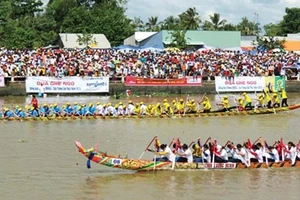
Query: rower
[
  {"x": 91, "y": 109},
  {"x": 247, "y": 101},
  {"x": 206, "y": 105},
  {"x": 143, "y": 108},
  {"x": 103, "y": 111},
  {"x": 181, "y": 106},
  {"x": 136, "y": 110},
  {"x": 8, "y": 113},
  {"x": 98, "y": 108},
  {"x": 206, "y": 156},
  {"x": 275, "y": 100},
  {"x": 167, "y": 154},
  {"x": 165, "y": 105},
  {"x": 241, "y": 105},
  {"x": 45, "y": 110},
  {"x": 283, "y": 97},
  {"x": 120, "y": 109},
  {"x": 130, "y": 107},
  {"x": 69, "y": 110},
  {"x": 21, "y": 113},
  {"x": 197, "y": 153},
  {"x": 267, "y": 97},
  {"x": 56, "y": 110},
  {"x": 148, "y": 109},
  {"x": 192, "y": 107},
  {"x": 224, "y": 104},
  {"x": 186, "y": 155},
  {"x": 260, "y": 102},
  {"x": 174, "y": 106}
]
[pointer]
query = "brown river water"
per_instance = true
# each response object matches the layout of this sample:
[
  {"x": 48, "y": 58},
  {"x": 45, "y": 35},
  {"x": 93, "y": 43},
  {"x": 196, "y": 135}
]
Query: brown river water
[{"x": 39, "y": 159}]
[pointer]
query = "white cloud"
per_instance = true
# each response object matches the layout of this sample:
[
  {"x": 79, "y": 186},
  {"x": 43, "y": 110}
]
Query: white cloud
[{"x": 231, "y": 10}]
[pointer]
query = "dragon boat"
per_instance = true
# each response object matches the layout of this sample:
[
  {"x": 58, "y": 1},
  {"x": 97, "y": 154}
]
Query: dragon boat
[
  {"x": 234, "y": 112},
  {"x": 150, "y": 165}
]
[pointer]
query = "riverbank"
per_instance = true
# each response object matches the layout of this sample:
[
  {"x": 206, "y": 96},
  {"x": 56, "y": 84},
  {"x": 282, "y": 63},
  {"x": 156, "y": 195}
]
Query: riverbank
[{"x": 18, "y": 89}]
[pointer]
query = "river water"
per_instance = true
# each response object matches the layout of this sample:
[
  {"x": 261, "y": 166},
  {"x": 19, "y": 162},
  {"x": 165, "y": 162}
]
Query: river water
[{"x": 39, "y": 159}]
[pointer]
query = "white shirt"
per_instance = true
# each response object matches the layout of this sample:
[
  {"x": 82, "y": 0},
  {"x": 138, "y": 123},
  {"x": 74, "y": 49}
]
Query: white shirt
[
  {"x": 188, "y": 155},
  {"x": 224, "y": 154},
  {"x": 169, "y": 154},
  {"x": 274, "y": 155},
  {"x": 207, "y": 158}
]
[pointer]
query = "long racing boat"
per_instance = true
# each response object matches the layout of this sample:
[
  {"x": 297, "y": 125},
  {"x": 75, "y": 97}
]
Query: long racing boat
[
  {"x": 150, "y": 165},
  {"x": 233, "y": 112}
]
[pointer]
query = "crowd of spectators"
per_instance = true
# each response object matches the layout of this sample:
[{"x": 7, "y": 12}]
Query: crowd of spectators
[{"x": 166, "y": 64}]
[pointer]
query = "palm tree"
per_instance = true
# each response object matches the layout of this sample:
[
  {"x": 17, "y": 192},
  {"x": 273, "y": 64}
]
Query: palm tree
[
  {"x": 217, "y": 23},
  {"x": 170, "y": 23},
  {"x": 248, "y": 28},
  {"x": 138, "y": 24},
  {"x": 152, "y": 24},
  {"x": 190, "y": 19}
]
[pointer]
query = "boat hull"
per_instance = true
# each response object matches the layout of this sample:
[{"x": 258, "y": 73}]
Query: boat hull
[
  {"x": 195, "y": 115},
  {"x": 149, "y": 165}
]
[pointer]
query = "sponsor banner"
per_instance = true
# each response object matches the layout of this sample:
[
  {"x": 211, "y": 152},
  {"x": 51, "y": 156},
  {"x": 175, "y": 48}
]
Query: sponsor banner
[
  {"x": 239, "y": 84},
  {"x": 2, "y": 82},
  {"x": 186, "y": 81},
  {"x": 220, "y": 165},
  {"x": 37, "y": 84}
]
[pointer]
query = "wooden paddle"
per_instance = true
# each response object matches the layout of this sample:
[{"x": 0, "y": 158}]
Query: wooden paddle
[{"x": 146, "y": 149}]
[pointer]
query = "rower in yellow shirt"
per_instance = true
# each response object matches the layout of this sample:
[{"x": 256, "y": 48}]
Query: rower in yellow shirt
[
  {"x": 174, "y": 106},
  {"x": 224, "y": 104},
  {"x": 148, "y": 109},
  {"x": 260, "y": 101},
  {"x": 180, "y": 106},
  {"x": 241, "y": 104},
  {"x": 206, "y": 105},
  {"x": 247, "y": 101},
  {"x": 166, "y": 105},
  {"x": 283, "y": 97},
  {"x": 275, "y": 100},
  {"x": 137, "y": 109},
  {"x": 191, "y": 106},
  {"x": 156, "y": 110}
]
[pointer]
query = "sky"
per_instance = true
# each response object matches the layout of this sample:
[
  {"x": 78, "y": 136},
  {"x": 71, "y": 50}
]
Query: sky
[{"x": 267, "y": 11}]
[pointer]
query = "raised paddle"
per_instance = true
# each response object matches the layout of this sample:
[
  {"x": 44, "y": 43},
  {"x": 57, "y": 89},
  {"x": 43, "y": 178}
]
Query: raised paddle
[{"x": 147, "y": 147}]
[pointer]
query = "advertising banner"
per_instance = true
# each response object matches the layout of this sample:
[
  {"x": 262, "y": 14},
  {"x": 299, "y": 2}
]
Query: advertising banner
[
  {"x": 186, "y": 81},
  {"x": 37, "y": 84},
  {"x": 239, "y": 84},
  {"x": 2, "y": 83}
]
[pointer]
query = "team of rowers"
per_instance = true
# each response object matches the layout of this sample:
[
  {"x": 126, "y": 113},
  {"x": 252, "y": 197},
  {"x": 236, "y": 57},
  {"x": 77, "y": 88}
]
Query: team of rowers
[
  {"x": 244, "y": 102},
  {"x": 211, "y": 151}
]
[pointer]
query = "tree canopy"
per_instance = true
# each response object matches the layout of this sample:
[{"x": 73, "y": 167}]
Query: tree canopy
[{"x": 29, "y": 24}]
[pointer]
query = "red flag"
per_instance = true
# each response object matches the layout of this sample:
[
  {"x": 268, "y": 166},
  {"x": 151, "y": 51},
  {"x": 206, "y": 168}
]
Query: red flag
[{"x": 249, "y": 144}]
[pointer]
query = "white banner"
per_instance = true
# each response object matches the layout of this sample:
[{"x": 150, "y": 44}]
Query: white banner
[
  {"x": 239, "y": 84},
  {"x": 2, "y": 83},
  {"x": 37, "y": 84}
]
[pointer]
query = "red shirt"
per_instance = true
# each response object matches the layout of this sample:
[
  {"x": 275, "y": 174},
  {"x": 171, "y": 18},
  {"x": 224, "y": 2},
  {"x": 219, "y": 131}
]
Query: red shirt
[{"x": 34, "y": 102}]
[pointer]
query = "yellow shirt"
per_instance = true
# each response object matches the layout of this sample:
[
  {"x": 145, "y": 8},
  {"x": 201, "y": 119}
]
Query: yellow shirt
[
  {"x": 283, "y": 94},
  {"x": 206, "y": 105},
  {"x": 225, "y": 103}
]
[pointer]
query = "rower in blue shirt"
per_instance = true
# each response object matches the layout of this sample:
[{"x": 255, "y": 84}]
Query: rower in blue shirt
[
  {"x": 34, "y": 112},
  {"x": 91, "y": 110},
  {"x": 79, "y": 112},
  {"x": 21, "y": 113},
  {"x": 8, "y": 113},
  {"x": 56, "y": 110},
  {"x": 69, "y": 110},
  {"x": 75, "y": 107},
  {"x": 84, "y": 109},
  {"x": 45, "y": 110}
]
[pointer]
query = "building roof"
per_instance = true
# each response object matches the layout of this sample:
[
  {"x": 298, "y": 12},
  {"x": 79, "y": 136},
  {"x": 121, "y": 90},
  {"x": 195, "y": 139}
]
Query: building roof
[
  {"x": 69, "y": 40},
  {"x": 292, "y": 45},
  {"x": 218, "y": 39},
  {"x": 140, "y": 36}
]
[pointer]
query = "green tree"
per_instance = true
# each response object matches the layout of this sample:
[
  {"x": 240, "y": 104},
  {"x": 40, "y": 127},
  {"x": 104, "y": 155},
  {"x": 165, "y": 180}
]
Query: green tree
[
  {"x": 59, "y": 9},
  {"x": 86, "y": 39},
  {"x": 138, "y": 24},
  {"x": 178, "y": 39},
  {"x": 190, "y": 19},
  {"x": 215, "y": 23},
  {"x": 272, "y": 29},
  {"x": 152, "y": 24},
  {"x": 229, "y": 27},
  {"x": 23, "y": 8},
  {"x": 270, "y": 43},
  {"x": 170, "y": 23},
  {"x": 291, "y": 21},
  {"x": 107, "y": 17},
  {"x": 248, "y": 28}
]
